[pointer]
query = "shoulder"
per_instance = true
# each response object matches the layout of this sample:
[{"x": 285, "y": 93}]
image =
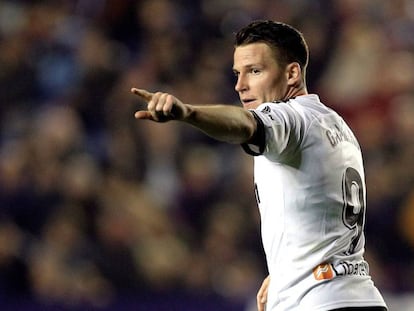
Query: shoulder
[{"x": 301, "y": 109}]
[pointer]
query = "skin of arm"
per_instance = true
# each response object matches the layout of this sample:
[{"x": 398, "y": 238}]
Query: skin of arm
[
  {"x": 261, "y": 297},
  {"x": 226, "y": 123}
]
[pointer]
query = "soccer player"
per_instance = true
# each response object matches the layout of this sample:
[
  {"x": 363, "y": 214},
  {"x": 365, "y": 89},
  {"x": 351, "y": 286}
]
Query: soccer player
[{"x": 308, "y": 173}]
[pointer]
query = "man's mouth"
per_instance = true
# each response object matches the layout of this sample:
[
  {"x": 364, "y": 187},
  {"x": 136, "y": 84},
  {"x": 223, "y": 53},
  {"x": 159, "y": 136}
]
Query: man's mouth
[{"x": 247, "y": 100}]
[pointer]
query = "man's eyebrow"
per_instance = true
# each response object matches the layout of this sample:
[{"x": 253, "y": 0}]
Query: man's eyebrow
[{"x": 248, "y": 66}]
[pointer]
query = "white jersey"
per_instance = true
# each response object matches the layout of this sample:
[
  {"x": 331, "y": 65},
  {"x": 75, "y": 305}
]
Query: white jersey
[{"x": 310, "y": 188}]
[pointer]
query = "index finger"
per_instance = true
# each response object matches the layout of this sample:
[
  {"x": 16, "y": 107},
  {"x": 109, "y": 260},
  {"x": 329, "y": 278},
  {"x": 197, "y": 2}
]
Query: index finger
[{"x": 147, "y": 96}]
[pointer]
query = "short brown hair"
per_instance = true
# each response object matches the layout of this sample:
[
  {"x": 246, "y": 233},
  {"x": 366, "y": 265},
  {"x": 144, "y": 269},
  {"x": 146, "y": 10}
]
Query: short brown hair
[{"x": 288, "y": 42}]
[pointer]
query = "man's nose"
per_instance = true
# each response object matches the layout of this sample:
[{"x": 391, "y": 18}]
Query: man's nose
[{"x": 241, "y": 84}]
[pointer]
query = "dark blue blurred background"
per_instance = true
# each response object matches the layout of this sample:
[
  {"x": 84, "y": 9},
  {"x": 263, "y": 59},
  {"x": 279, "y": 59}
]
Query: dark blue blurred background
[{"x": 101, "y": 212}]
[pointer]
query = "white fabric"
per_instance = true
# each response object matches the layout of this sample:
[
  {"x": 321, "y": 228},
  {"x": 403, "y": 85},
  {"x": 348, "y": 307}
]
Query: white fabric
[{"x": 311, "y": 195}]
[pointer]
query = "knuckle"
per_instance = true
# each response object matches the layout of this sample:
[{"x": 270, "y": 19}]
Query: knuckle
[{"x": 150, "y": 106}]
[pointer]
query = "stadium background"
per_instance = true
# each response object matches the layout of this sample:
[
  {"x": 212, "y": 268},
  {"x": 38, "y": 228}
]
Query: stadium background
[{"x": 101, "y": 212}]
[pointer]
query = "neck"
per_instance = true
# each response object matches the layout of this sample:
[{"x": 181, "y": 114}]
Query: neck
[{"x": 294, "y": 92}]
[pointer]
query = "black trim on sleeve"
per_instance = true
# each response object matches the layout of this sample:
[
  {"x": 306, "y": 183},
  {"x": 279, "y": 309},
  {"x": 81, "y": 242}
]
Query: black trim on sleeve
[{"x": 256, "y": 145}]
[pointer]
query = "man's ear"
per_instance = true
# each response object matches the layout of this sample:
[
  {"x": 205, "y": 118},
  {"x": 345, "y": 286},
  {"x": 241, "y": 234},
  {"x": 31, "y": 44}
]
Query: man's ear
[{"x": 293, "y": 74}]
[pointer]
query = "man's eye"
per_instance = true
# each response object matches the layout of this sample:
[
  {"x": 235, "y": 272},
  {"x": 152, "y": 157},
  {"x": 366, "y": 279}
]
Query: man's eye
[
  {"x": 255, "y": 71},
  {"x": 236, "y": 74}
]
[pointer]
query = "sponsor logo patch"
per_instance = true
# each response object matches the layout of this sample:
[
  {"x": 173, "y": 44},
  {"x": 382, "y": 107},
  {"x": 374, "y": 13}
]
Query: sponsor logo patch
[{"x": 323, "y": 272}]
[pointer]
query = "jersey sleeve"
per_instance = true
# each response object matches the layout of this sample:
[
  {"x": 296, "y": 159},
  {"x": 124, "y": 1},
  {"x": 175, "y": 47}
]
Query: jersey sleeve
[
  {"x": 280, "y": 128},
  {"x": 257, "y": 145}
]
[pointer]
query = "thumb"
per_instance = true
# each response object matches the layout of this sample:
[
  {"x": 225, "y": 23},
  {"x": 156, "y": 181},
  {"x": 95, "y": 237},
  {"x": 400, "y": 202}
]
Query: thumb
[{"x": 144, "y": 115}]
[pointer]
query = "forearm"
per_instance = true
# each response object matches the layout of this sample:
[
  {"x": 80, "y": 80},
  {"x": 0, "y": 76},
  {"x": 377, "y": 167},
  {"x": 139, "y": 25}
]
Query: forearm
[{"x": 225, "y": 123}]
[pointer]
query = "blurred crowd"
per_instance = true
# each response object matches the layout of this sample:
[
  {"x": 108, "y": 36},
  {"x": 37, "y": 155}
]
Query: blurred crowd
[{"x": 96, "y": 206}]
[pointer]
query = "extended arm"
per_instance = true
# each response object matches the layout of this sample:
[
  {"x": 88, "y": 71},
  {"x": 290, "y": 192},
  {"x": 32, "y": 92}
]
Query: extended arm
[{"x": 226, "y": 123}]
